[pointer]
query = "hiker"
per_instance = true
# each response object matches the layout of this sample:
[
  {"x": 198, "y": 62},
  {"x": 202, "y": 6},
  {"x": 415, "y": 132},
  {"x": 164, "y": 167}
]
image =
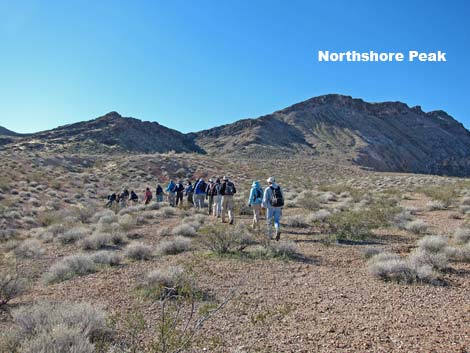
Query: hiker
[
  {"x": 170, "y": 189},
  {"x": 199, "y": 193},
  {"x": 147, "y": 196},
  {"x": 217, "y": 206},
  {"x": 188, "y": 191},
  {"x": 159, "y": 193},
  {"x": 256, "y": 198},
  {"x": 111, "y": 199},
  {"x": 134, "y": 198},
  {"x": 273, "y": 201},
  {"x": 227, "y": 190},
  {"x": 179, "y": 188},
  {"x": 210, "y": 193},
  {"x": 123, "y": 198}
]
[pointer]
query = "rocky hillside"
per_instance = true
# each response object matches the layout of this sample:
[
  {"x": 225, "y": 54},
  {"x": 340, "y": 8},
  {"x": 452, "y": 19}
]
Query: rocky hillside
[
  {"x": 111, "y": 133},
  {"x": 387, "y": 136},
  {"x": 5, "y": 132}
]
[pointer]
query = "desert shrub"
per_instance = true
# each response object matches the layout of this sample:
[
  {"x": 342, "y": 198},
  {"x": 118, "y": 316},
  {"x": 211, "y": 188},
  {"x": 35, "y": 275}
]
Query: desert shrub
[
  {"x": 59, "y": 327},
  {"x": 369, "y": 252},
  {"x": 223, "y": 239},
  {"x": 167, "y": 211},
  {"x": 84, "y": 214},
  {"x": 106, "y": 258},
  {"x": 7, "y": 234},
  {"x": 466, "y": 200},
  {"x": 435, "y": 206},
  {"x": 390, "y": 267},
  {"x": 296, "y": 221},
  {"x": 72, "y": 235},
  {"x": 69, "y": 267},
  {"x": 163, "y": 283},
  {"x": 446, "y": 194},
  {"x": 95, "y": 241},
  {"x": 29, "y": 249},
  {"x": 420, "y": 257},
  {"x": 307, "y": 200},
  {"x": 432, "y": 243},
  {"x": 318, "y": 216},
  {"x": 11, "y": 284},
  {"x": 459, "y": 254},
  {"x": 327, "y": 197},
  {"x": 173, "y": 246},
  {"x": 284, "y": 249},
  {"x": 464, "y": 209},
  {"x": 184, "y": 230},
  {"x": 127, "y": 222},
  {"x": 106, "y": 215},
  {"x": 417, "y": 226},
  {"x": 138, "y": 251},
  {"x": 462, "y": 235},
  {"x": 164, "y": 231},
  {"x": 118, "y": 238},
  {"x": 133, "y": 209},
  {"x": 401, "y": 219}
]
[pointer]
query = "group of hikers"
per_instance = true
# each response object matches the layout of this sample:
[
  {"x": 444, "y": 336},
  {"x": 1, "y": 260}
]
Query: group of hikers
[{"x": 219, "y": 195}]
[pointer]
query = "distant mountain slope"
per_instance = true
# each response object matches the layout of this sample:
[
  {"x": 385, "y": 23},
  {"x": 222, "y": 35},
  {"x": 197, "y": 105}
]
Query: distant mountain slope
[
  {"x": 5, "y": 132},
  {"x": 387, "y": 136},
  {"x": 112, "y": 132}
]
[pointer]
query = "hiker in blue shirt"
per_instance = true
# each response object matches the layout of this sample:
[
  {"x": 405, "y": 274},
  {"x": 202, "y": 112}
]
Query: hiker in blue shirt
[
  {"x": 170, "y": 189},
  {"x": 255, "y": 200}
]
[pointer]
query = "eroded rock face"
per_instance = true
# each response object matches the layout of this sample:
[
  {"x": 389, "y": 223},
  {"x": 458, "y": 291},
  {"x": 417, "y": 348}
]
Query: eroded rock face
[{"x": 387, "y": 136}]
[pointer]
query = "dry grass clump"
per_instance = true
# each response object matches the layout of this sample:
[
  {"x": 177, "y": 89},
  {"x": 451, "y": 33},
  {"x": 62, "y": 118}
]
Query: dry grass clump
[
  {"x": 435, "y": 205},
  {"x": 391, "y": 267},
  {"x": 296, "y": 221},
  {"x": 173, "y": 246},
  {"x": 167, "y": 211},
  {"x": 466, "y": 201},
  {"x": 127, "y": 222},
  {"x": 29, "y": 249},
  {"x": 184, "y": 230},
  {"x": 420, "y": 257},
  {"x": 11, "y": 284},
  {"x": 284, "y": 249},
  {"x": 72, "y": 235},
  {"x": 59, "y": 327},
  {"x": 417, "y": 226},
  {"x": 462, "y": 236},
  {"x": 96, "y": 241},
  {"x": 69, "y": 267},
  {"x": 401, "y": 219},
  {"x": 432, "y": 243},
  {"x": 318, "y": 216},
  {"x": 308, "y": 201},
  {"x": 166, "y": 283},
  {"x": 222, "y": 239},
  {"x": 107, "y": 215},
  {"x": 327, "y": 197},
  {"x": 370, "y": 252},
  {"x": 138, "y": 251},
  {"x": 106, "y": 258}
]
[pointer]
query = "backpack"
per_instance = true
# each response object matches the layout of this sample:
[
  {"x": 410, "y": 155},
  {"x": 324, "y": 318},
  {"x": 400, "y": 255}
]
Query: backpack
[
  {"x": 202, "y": 186},
  {"x": 277, "y": 200},
  {"x": 179, "y": 187},
  {"x": 229, "y": 189},
  {"x": 258, "y": 194}
]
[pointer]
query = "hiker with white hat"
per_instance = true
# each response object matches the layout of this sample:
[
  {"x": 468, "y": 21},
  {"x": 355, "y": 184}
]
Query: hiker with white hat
[
  {"x": 273, "y": 201},
  {"x": 227, "y": 190}
]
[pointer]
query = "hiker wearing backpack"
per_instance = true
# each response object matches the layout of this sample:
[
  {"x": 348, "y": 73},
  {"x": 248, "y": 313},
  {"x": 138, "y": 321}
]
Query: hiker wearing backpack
[
  {"x": 171, "y": 190},
  {"x": 273, "y": 201},
  {"x": 123, "y": 196},
  {"x": 217, "y": 206},
  {"x": 211, "y": 192},
  {"x": 111, "y": 199},
  {"x": 227, "y": 190},
  {"x": 200, "y": 193},
  {"x": 159, "y": 193},
  {"x": 134, "y": 198},
  {"x": 147, "y": 196},
  {"x": 188, "y": 191},
  {"x": 179, "y": 188},
  {"x": 255, "y": 200}
]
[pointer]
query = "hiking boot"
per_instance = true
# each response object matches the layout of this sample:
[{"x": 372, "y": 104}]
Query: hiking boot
[{"x": 278, "y": 235}]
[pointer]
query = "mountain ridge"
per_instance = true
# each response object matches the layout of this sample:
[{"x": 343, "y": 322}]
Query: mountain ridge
[{"x": 383, "y": 136}]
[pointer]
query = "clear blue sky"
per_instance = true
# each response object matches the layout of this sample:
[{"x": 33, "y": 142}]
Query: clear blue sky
[{"x": 195, "y": 64}]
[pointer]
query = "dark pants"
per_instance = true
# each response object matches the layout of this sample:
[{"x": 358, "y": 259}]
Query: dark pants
[{"x": 179, "y": 198}]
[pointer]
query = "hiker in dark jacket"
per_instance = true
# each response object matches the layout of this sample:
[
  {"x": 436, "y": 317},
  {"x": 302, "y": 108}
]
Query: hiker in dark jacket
[
  {"x": 179, "y": 188},
  {"x": 227, "y": 190},
  {"x": 217, "y": 207},
  {"x": 147, "y": 196},
  {"x": 200, "y": 193},
  {"x": 134, "y": 198},
  {"x": 111, "y": 199},
  {"x": 188, "y": 191},
  {"x": 159, "y": 192},
  {"x": 123, "y": 198}
]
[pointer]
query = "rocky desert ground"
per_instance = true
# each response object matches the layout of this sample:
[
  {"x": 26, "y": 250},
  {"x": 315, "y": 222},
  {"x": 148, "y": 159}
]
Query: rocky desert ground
[{"x": 367, "y": 261}]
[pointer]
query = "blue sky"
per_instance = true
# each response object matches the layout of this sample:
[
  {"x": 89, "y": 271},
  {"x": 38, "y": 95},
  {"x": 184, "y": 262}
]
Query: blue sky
[{"x": 192, "y": 65}]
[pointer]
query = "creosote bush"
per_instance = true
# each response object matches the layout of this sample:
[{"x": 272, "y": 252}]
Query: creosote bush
[
  {"x": 417, "y": 226},
  {"x": 462, "y": 236},
  {"x": 173, "y": 246},
  {"x": 296, "y": 221},
  {"x": 166, "y": 283},
  {"x": 95, "y": 241},
  {"x": 184, "y": 230},
  {"x": 138, "y": 251},
  {"x": 58, "y": 327},
  {"x": 69, "y": 267},
  {"x": 72, "y": 235},
  {"x": 106, "y": 258},
  {"x": 223, "y": 239},
  {"x": 29, "y": 249}
]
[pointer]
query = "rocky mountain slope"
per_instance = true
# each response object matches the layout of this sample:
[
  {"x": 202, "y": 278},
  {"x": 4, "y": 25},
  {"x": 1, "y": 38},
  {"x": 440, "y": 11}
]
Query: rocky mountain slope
[
  {"x": 5, "y": 132},
  {"x": 387, "y": 136},
  {"x": 111, "y": 133}
]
